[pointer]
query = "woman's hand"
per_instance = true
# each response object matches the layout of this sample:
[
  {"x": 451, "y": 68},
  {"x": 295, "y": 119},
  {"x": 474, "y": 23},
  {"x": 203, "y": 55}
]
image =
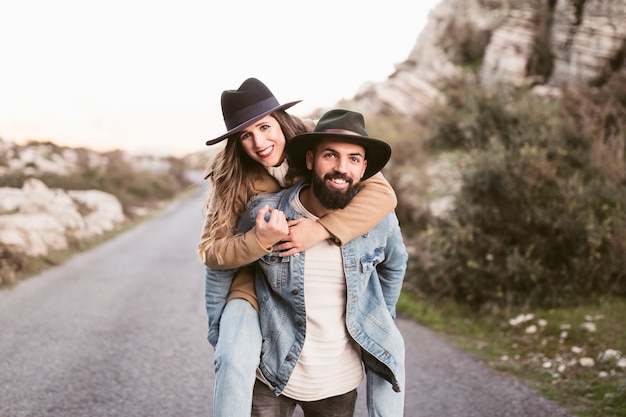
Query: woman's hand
[
  {"x": 272, "y": 230},
  {"x": 303, "y": 234}
]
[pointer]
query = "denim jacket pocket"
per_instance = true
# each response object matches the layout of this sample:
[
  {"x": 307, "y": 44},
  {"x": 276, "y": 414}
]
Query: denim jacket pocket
[
  {"x": 368, "y": 263},
  {"x": 371, "y": 260},
  {"x": 275, "y": 268}
]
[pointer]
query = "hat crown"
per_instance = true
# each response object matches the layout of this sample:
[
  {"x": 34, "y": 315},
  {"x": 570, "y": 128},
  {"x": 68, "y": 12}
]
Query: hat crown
[
  {"x": 249, "y": 103},
  {"x": 339, "y": 119},
  {"x": 250, "y": 99}
]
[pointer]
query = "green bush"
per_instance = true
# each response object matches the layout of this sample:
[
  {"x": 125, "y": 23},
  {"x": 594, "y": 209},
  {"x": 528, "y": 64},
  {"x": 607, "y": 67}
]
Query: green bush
[
  {"x": 403, "y": 170},
  {"x": 541, "y": 215}
]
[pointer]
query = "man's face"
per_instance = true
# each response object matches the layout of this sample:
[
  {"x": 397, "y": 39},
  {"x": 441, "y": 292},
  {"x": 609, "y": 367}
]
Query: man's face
[{"x": 337, "y": 168}]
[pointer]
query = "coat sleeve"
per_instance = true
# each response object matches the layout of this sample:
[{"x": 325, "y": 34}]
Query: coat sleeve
[
  {"x": 375, "y": 199},
  {"x": 392, "y": 270},
  {"x": 233, "y": 251}
]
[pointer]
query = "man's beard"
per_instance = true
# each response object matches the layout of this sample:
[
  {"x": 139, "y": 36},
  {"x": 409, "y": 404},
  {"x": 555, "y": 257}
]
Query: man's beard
[{"x": 332, "y": 198}]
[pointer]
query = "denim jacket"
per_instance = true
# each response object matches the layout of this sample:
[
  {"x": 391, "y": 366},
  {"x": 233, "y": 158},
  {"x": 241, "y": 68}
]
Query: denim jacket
[{"x": 374, "y": 264}]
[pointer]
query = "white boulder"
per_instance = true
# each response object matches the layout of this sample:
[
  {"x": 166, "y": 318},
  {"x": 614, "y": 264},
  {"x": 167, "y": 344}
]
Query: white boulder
[{"x": 36, "y": 219}]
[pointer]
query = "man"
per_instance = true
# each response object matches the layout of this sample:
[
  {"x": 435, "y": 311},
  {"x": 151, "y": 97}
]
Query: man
[{"x": 326, "y": 312}]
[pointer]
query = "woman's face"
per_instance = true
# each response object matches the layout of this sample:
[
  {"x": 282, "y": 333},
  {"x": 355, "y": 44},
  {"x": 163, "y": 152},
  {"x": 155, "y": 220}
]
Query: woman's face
[{"x": 264, "y": 142}]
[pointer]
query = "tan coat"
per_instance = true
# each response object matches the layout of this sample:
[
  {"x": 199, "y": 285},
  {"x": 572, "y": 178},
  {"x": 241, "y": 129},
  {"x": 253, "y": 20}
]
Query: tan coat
[{"x": 376, "y": 198}]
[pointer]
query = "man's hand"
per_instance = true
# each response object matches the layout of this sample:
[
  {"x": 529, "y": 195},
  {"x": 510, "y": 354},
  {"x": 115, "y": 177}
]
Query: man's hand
[
  {"x": 272, "y": 230},
  {"x": 303, "y": 234}
]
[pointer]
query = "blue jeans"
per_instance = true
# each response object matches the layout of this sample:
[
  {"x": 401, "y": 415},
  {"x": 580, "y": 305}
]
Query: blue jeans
[
  {"x": 382, "y": 400},
  {"x": 237, "y": 356}
]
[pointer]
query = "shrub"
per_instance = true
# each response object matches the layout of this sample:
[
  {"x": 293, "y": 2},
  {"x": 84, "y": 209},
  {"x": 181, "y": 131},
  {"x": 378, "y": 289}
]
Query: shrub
[
  {"x": 540, "y": 218},
  {"x": 12, "y": 265}
]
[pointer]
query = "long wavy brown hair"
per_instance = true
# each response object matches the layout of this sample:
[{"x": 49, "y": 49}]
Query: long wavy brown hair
[{"x": 233, "y": 174}]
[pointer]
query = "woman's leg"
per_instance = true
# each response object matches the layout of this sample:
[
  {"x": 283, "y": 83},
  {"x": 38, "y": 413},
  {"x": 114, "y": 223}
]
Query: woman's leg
[
  {"x": 382, "y": 400},
  {"x": 237, "y": 356}
]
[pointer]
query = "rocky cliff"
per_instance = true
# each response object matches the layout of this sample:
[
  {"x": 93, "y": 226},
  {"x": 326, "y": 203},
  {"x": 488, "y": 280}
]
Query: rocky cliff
[{"x": 547, "y": 43}]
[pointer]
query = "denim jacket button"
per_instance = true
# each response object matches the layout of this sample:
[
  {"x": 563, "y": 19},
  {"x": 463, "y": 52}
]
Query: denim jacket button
[
  {"x": 294, "y": 292},
  {"x": 296, "y": 255},
  {"x": 288, "y": 358}
]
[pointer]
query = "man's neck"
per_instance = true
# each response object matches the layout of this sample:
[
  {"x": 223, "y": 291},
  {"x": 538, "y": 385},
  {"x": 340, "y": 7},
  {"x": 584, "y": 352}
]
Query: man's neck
[{"x": 311, "y": 203}]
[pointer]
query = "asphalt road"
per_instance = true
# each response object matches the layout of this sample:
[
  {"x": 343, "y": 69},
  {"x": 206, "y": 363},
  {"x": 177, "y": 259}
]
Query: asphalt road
[{"x": 120, "y": 331}]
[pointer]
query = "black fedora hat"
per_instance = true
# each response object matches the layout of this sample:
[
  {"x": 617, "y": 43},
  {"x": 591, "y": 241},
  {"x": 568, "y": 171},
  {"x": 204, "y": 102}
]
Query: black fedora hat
[
  {"x": 347, "y": 126},
  {"x": 251, "y": 102}
]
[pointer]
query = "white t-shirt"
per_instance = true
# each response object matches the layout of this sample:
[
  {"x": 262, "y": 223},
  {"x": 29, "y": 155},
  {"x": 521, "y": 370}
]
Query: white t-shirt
[{"x": 330, "y": 362}]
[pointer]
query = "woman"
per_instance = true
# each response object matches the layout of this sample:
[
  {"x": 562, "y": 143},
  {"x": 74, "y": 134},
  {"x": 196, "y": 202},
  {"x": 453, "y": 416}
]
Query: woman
[{"x": 253, "y": 162}]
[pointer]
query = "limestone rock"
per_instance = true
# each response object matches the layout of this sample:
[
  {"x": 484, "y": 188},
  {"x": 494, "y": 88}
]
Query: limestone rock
[
  {"x": 105, "y": 210},
  {"x": 34, "y": 234},
  {"x": 38, "y": 198},
  {"x": 37, "y": 219}
]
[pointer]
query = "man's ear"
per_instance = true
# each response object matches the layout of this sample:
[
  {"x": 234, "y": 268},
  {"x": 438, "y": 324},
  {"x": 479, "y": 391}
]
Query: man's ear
[
  {"x": 309, "y": 160},
  {"x": 364, "y": 168}
]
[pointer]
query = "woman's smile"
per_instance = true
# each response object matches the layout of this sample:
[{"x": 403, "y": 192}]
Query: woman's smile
[{"x": 267, "y": 152}]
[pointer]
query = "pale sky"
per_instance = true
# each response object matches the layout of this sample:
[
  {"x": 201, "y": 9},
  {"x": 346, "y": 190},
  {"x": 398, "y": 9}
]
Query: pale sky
[{"x": 146, "y": 75}]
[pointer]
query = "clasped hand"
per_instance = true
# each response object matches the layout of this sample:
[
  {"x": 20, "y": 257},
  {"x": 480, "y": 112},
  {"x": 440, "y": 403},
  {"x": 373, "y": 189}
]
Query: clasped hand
[{"x": 288, "y": 236}]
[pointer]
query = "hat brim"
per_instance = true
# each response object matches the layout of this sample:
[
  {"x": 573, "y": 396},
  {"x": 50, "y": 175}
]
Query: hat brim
[
  {"x": 247, "y": 123},
  {"x": 377, "y": 151}
]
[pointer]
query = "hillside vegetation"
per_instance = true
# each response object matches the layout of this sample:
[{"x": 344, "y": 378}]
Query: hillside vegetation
[
  {"x": 140, "y": 184},
  {"x": 539, "y": 207},
  {"x": 130, "y": 179},
  {"x": 525, "y": 264}
]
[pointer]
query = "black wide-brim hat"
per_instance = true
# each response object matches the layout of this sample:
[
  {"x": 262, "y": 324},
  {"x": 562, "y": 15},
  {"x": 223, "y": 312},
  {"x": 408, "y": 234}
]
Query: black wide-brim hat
[
  {"x": 251, "y": 102},
  {"x": 347, "y": 126}
]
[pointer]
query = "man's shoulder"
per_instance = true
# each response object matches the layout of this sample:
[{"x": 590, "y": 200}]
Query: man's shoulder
[
  {"x": 386, "y": 227},
  {"x": 390, "y": 220}
]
